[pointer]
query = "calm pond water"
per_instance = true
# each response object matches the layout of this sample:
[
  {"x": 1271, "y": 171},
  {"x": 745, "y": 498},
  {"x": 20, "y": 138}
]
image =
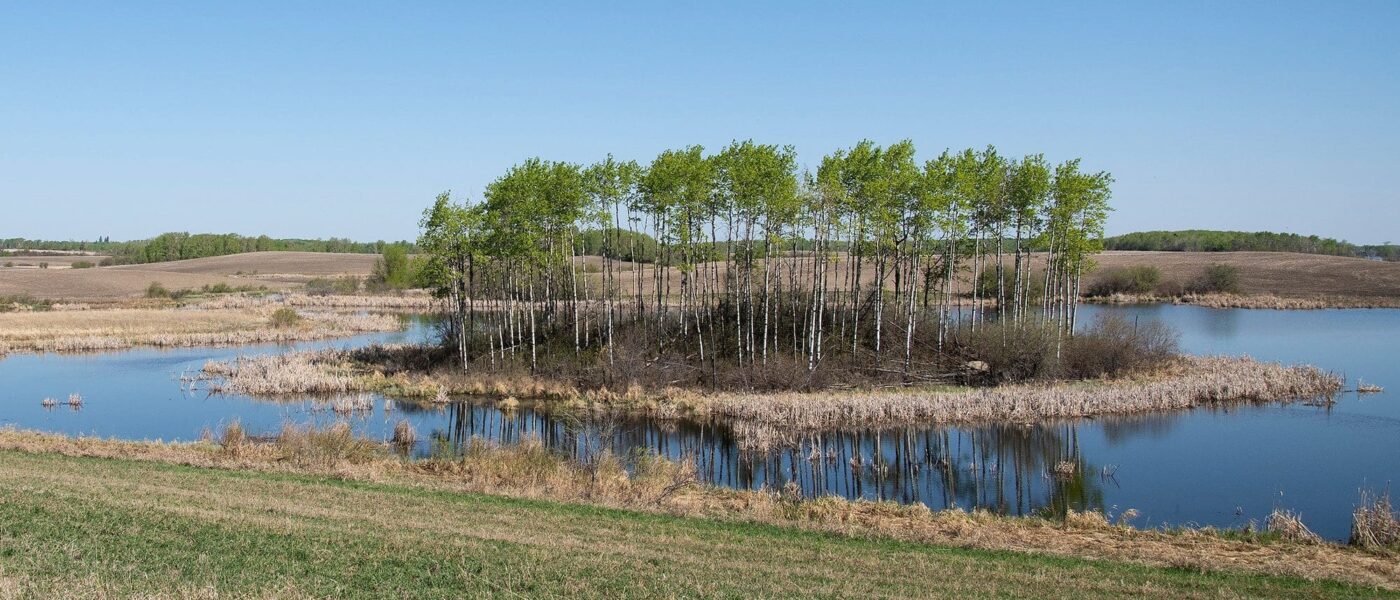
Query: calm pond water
[{"x": 1222, "y": 467}]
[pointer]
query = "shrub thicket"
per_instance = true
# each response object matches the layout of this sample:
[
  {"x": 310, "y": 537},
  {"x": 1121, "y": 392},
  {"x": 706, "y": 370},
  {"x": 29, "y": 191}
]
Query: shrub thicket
[
  {"x": 285, "y": 317},
  {"x": 1218, "y": 278},
  {"x": 1129, "y": 280},
  {"x": 156, "y": 290},
  {"x": 23, "y": 302},
  {"x": 325, "y": 286},
  {"x": 393, "y": 271},
  {"x": 1112, "y": 345}
]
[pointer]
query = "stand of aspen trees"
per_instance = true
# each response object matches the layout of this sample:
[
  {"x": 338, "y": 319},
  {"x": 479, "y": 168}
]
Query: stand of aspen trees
[{"x": 734, "y": 257}]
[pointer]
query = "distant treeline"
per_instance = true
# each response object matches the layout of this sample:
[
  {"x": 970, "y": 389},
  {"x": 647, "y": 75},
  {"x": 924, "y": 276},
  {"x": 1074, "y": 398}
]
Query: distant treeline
[
  {"x": 1204, "y": 240},
  {"x": 181, "y": 246},
  {"x": 637, "y": 246}
]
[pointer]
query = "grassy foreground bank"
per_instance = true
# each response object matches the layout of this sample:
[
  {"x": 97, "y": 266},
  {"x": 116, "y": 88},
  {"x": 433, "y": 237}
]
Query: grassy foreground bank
[{"x": 94, "y": 527}]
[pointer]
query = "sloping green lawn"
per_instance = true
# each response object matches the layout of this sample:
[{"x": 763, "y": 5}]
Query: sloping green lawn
[{"x": 94, "y": 527}]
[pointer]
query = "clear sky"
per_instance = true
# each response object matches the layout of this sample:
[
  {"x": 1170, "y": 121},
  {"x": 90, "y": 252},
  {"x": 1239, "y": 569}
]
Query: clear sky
[{"x": 300, "y": 119}]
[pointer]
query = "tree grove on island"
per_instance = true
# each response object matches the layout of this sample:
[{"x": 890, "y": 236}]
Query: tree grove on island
[{"x": 725, "y": 262}]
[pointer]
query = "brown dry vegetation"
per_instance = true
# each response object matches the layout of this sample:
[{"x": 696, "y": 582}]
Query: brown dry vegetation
[
  {"x": 108, "y": 329},
  {"x": 658, "y": 486},
  {"x": 1186, "y": 383},
  {"x": 767, "y": 418},
  {"x": 413, "y": 301}
]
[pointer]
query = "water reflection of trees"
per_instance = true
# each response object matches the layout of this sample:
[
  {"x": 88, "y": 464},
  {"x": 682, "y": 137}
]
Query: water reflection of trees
[
  {"x": 1005, "y": 468},
  {"x": 1117, "y": 430},
  {"x": 1009, "y": 469}
]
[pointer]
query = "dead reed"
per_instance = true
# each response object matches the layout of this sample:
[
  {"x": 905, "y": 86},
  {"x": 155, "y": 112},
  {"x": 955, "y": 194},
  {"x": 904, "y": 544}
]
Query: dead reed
[
  {"x": 75, "y": 400},
  {"x": 765, "y": 419},
  {"x": 412, "y": 301},
  {"x": 1289, "y": 526},
  {"x": 405, "y": 435},
  {"x": 1065, "y": 469},
  {"x": 292, "y": 373},
  {"x": 1374, "y": 524},
  {"x": 1190, "y": 382},
  {"x": 355, "y": 403},
  {"x": 233, "y": 438}
]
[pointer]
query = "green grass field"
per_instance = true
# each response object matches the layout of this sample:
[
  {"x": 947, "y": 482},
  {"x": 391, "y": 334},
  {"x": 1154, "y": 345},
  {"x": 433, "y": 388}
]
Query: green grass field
[{"x": 82, "y": 527}]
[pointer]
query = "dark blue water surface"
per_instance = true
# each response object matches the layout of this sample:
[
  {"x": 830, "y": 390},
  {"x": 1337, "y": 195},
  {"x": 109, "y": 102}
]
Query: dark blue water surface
[{"x": 1222, "y": 467}]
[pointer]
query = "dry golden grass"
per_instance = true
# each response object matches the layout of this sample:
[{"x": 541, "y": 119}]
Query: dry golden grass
[
  {"x": 415, "y": 301},
  {"x": 529, "y": 471},
  {"x": 1187, "y": 383},
  {"x": 107, "y": 329},
  {"x": 767, "y": 419}
]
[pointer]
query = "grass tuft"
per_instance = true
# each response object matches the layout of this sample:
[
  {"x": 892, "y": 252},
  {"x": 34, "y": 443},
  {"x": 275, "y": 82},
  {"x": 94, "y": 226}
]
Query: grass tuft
[
  {"x": 326, "y": 446},
  {"x": 232, "y": 439}
]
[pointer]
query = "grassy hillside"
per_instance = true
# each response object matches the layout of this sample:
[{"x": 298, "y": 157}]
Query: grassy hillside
[
  {"x": 184, "y": 246},
  {"x": 317, "y": 264},
  {"x": 1285, "y": 274},
  {"x": 275, "y": 270},
  {"x": 98, "y": 527}
]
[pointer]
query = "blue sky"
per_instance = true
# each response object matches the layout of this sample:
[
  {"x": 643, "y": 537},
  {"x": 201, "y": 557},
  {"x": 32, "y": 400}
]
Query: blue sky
[{"x": 345, "y": 119}]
